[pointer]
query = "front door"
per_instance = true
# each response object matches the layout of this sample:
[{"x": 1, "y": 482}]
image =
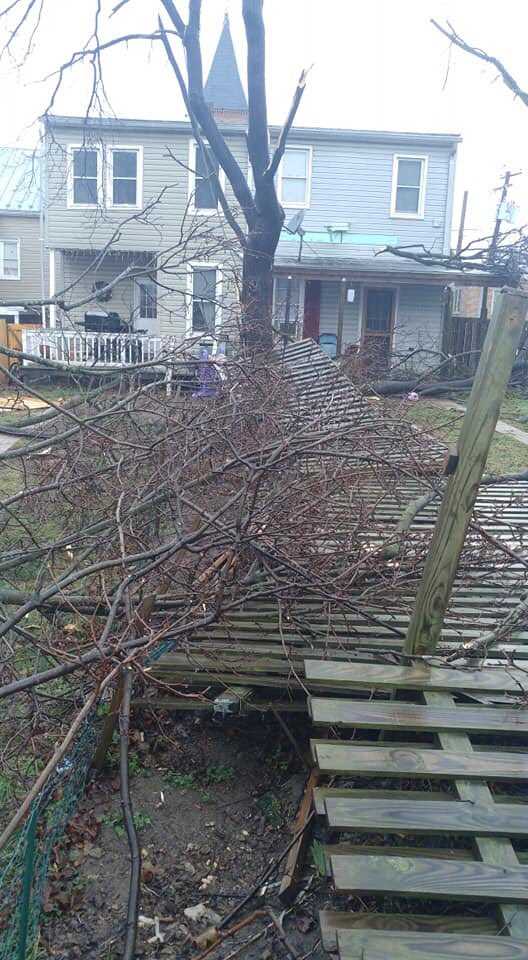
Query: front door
[
  {"x": 378, "y": 320},
  {"x": 312, "y": 309}
]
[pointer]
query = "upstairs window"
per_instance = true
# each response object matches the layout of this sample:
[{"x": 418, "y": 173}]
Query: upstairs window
[
  {"x": 204, "y": 189},
  {"x": 9, "y": 260},
  {"x": 85, "y": 176},
  {"x": 204, "y": 293},
  {"x": 295, "y": 177},
  {"x": 125, "y": 177},
  {"x": 408, "y": 187},
  {"x": 147, "y": 299}
]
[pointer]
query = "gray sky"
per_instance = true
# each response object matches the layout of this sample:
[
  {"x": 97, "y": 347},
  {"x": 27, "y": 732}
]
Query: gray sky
[{"x": 379, "y": 65}]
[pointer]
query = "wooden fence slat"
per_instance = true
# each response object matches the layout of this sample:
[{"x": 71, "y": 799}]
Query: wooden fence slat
[
  {"x": 439, "y": 817},
  {"x": 430, "y": 877},
  {"x": 331, "y": 921},
  {"x": 419, "y": 676},
  {"x": 345, "y": 758},
  {"x": 410, "y": 716},
  {"x": 493, "y": 850},
  {"x": 397, "y": 945}
]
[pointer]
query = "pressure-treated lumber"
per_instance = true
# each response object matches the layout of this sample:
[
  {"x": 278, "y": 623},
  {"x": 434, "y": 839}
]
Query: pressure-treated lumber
[
  {"x": 430, "y": 877},
  {"x": 399, "y": 945},
  {"x": 332, "y": 920},
  {"x": 476, "y": 434},
  {"x": 321, "y": 794},
  {"x": 410, "y": 716},
  {"x": 438, "y": 817},
  {"x": 345, "y": 758},
  {"x": 418, "y": 676},
  {"x": 493, "y": 850}
]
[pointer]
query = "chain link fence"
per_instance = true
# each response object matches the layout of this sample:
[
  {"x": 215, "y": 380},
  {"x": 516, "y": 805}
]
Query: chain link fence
[{"x": 24, "y": 864}]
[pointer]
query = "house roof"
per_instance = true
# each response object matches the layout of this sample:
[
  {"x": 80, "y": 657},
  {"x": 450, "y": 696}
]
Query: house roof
[
  {"x": 297, "y": 133},
  {"x": 19, "y": 181},
  {"x": 223, "y": 88},
  {"x": 386, "y": 267}
]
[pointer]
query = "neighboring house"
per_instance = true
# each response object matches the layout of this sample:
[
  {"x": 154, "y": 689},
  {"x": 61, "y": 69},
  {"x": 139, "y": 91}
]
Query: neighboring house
[
  {"x": 21, "y": 263},
  {"x": 347, "y": 194},
  {"x": 467, "y": 301}
]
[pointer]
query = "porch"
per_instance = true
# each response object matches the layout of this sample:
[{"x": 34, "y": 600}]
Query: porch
[
  {"x": 77, "y": 349},
  {"x": 390, "y": 312}
]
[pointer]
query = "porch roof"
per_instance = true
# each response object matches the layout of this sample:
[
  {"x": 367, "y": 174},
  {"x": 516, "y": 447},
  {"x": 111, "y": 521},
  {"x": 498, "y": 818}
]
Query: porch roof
[{"x": 386, "y": 268}]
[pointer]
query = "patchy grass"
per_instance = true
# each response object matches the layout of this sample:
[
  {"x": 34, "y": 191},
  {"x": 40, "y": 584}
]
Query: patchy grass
[{"x": 506, "y": 454}]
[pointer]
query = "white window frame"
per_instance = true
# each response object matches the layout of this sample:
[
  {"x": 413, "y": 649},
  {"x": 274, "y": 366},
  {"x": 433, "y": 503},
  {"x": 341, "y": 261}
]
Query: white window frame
[
  {"x": 420, "y": 214},
  {"x": 118, "y": 148},
  {"x": 306, "y": 148},
  {"x": 456, "y": 301},
  {"x": 97, "y": 148},
  {"x": 201, "y": 211},
  {"x": 203, "y": 265},
  {"x": 137, "y": 299},
  {"x": 2, "y": 273}
]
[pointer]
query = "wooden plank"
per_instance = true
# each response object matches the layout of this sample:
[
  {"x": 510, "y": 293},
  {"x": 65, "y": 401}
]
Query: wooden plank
[
  {"x": 493, "y": 850},
  {"x": 419, "y": 676},
  {"x": 410, "y": 716},
  {"x": 438, "y": 817},
  {"x": 399, "y": 945},
  {"x": 430, "y": 877},
  {"x": 295, "y": 860},
  {"x": 331, "y": 921},
  {"x": 322, "y": 793},
  {"x": 345, "y": 758}
]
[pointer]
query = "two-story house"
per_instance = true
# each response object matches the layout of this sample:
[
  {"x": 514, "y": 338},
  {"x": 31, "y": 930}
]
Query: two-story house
[
  {"x": 22, "y": 275},
  {"x": 130, "y": 209}
]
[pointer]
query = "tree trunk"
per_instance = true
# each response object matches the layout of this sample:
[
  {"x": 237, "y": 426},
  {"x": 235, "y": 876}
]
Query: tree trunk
[{"x": 257, "y": 286}]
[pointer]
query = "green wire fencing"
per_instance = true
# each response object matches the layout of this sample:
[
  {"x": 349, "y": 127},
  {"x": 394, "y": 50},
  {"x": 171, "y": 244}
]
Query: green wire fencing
[{"x": 24, "y": 864}]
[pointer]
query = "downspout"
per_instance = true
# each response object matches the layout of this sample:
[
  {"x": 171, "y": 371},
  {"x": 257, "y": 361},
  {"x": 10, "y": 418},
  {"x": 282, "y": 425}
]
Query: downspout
[
  {"x": 43, "y": 174},
  {"x": 449, "y": 201}
]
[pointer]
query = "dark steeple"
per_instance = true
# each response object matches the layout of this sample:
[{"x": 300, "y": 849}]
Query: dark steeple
[{"x": 223, "y": 90}]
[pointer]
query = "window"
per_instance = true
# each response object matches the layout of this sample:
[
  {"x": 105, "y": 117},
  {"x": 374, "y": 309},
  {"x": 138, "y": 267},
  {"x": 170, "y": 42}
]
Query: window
[
  {"x": 204, "y": 296},
  {"x": 9, "y": 260},
  {"x": 147, "y": 299},
  {"x": 124, "y": 188},
  {"x": 204, "y": 188},
  {"x": 85, "y": 169},
  {"x": 295, "y": 177},
  {"x": 408, "y": 187}
]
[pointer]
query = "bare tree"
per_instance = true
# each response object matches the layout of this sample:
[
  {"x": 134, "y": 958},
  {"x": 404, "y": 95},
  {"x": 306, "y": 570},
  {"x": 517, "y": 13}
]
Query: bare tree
[{"x": 261, "y": 218}]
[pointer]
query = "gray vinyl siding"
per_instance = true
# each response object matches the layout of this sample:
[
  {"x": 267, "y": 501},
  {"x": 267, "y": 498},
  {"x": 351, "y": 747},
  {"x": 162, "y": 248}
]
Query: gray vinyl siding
[
  {"x": 352, "y": 183},
  {"x": 419, "y": 321},
  {"x": 25, "y": 229},
  {"x": 329, "y": 310},
  {"x": 165, "y": 186}
]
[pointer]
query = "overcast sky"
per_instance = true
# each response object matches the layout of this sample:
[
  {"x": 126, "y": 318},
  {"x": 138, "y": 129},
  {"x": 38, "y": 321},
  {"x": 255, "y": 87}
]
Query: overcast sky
[{"x": 378, "y": 65}]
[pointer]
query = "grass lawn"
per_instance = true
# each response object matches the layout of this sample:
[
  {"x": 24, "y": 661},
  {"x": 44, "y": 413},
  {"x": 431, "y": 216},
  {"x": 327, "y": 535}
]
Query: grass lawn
[{"x": 506, "y": 454}]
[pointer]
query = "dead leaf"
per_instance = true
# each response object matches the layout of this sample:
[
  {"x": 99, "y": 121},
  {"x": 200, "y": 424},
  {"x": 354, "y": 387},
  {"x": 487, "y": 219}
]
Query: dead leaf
[{"x": 207, "y": 938}]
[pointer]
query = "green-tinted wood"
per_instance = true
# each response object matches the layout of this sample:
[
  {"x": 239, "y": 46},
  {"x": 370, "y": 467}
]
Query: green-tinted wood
[
  {"x": 321, "y": 794},
  {"x": 476, "y": 434},
  {"x": 493, "y": 850},
  {"x": 419, "y": 676},
  {"x": 394, "y": 945},
  {"x": 345, "y": 758},
  {"x": 331, "y": 921},
  {"x": 438, "y": 817},
  {"x": 429, "y": 877},
  {"x": 410, "y": 716}
]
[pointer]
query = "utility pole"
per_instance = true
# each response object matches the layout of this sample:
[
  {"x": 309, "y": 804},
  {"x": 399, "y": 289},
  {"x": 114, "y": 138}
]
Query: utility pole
[{"x": 460, "y": 241}]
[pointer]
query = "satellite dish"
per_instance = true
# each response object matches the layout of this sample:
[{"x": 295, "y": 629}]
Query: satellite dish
[{"x": 295, "y": 224}]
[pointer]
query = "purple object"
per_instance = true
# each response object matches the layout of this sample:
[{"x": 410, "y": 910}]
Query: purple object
[{"x": 207, "y": 375}]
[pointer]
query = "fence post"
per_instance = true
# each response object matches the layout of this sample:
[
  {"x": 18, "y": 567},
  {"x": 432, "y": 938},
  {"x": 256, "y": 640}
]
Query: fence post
[
  {"x": 476, "y": 434},
  {"x": 27, "y": 883}
]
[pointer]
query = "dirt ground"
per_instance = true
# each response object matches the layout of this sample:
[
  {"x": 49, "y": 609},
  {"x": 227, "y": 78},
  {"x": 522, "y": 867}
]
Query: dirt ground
[{"x": 214, "y": 804}]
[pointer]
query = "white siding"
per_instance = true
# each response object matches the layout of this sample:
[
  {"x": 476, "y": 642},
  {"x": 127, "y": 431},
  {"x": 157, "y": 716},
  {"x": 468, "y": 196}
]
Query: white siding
[{"x": 329, "y": 310}]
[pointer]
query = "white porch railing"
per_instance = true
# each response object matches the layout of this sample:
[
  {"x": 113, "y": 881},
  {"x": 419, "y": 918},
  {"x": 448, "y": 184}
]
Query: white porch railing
[{"x": 95, "y": 349}]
